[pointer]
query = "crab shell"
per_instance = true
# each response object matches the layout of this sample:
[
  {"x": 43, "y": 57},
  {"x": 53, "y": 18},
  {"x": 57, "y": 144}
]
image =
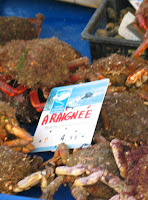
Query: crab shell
[
  {"x": 126, "y": 118},
  {"x": 118, "y": 68},
  {"x": 37, "y": 63},
  {"x": 13, "y": 28},
  {"x": 132, "y": 160},
  {"x": 14, "y": 166}
]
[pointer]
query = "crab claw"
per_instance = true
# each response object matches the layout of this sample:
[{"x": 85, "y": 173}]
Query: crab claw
[
  {"x": 19, "y": 132},
  {"x": 138, "y": 78},
  {"x": 117, "y": 148},
  {"x": 73, "y": 171},
  {"x": 89, "y": 180},
  {"x": 10, "y": 126}
]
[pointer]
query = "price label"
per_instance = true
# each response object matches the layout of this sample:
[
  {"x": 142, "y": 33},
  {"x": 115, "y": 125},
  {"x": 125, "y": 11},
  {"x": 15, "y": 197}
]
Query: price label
[{"x": 70, "y": 116}]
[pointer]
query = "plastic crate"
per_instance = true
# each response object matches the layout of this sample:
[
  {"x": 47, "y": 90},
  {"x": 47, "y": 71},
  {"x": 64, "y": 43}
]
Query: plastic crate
[{"x": 101, "y": 46}]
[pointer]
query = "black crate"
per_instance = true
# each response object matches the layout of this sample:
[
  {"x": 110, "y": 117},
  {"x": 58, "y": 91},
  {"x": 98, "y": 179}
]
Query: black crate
[{"x": 101, "y": 46}]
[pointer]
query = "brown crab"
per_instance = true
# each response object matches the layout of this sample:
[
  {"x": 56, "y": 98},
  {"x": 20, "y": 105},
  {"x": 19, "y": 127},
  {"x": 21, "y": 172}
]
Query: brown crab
[
  {"x": 97, "y": 156},
  {"x": 124, "y": 116},
  {"x": 20, "y": 172},
  {"x": 133, "y": 165},
  {"x": 94, "y": 162},
  {"x": 11, "y": 134},
  {"x": 13, "y": 28},
  {"x": 40, "y": 63},
  {"x": 125, "y": 73}
]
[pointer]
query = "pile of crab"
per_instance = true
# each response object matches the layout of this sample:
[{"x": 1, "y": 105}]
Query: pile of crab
[
  {"x": 105, "y": 170},
  {"x": 116, "y": 167}
]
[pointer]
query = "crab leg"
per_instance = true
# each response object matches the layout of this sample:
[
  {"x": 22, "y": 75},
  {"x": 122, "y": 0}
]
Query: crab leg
[
  {"x": 38, "y": 21},
  {"x": 34, "y": 98},
  {"x": 117, "y": 148},
  {"x": 141, "y": 49},
  {"x": 10, "y": 91},
  {"x": 19, "y": 132},
  {"x": 40, "y": 176},
  {"x": 118, "y": 197},
  {"x": 19, "y": 145},
  {"x": 80, "y": 193},
  {"x": 105, "y": 118},
  {"x": 50, "y": 190},
  {"x": 25, "y": 149},
  {"x": 30, "y": 181},
  {"x": 139, "y": 77},
  {"x": 83, "y": 61},
  {"x": 16, "y": 142},
  {"x": 96, "y": 174}
]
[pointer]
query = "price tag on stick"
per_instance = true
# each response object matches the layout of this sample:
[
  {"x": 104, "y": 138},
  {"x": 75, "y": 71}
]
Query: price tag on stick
[{"x": 70, "y": 116}]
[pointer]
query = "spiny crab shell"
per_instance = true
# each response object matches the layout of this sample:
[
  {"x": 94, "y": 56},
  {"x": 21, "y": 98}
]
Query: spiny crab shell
[
  {"x": 119, "y": 68},
  {"x": 133, "y": 164},
  {"x": 37, "y": 63},
  {"x": 126, "y": 118},
  {"x": 14, "y": 166},
  {"x": 14, "y": 28}
]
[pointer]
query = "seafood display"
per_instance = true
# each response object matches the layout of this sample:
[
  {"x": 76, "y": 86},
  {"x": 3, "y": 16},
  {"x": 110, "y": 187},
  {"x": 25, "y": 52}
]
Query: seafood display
[
  {"x": 86, "y": 168},
  {"x": 13, "y": 28},
  {"x": 11, "y": 134},
  {"x": 40, "y": 63},
  {"x": 62, "y": 65},
  {"x": 20, "y": 172},
  {"x": 126, "y": 118},
  {"x": 116, "y": 166},
  {"x": 96, "y": 157}
]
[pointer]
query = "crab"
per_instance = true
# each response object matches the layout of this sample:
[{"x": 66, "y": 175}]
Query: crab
[
  {"x": 141, "y": 16},
  {"x": 39, "y": 64},
  {"x": 132, "y": 160},
  {"x": 24, "y": 111},
  {"x": 13, "y": 28},
  {"x": 98, "y": 156},
  {"x": 124, "y": 116},
  {"x": 86, "y": 168},
  {"x": 125, "y": 73},
  {"x": 121, "y": 70},
  {"x": 11, "y": 134},
  {"x": 19, "y": 172}
]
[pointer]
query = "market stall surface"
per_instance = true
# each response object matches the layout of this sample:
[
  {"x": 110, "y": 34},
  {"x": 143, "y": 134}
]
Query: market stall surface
[{"x": 66, "y": 22}]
